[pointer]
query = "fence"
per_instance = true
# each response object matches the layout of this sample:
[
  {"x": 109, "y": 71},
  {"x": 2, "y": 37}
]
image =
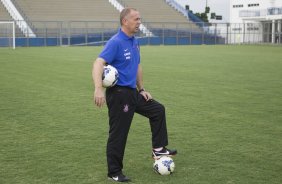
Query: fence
[{"x": 83, "y": 33}]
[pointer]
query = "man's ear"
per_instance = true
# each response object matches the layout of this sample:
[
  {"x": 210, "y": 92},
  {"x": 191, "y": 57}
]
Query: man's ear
[{"x": 124, "y": 21}]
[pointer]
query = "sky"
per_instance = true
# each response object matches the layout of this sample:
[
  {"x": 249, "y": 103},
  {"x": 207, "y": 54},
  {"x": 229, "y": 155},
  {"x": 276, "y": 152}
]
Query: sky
[{"x": 220, "y": 7}]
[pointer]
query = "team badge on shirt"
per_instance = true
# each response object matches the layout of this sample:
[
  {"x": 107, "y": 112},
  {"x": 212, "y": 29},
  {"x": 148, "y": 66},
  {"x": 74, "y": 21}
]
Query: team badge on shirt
[{"x": 125, "y": 108}]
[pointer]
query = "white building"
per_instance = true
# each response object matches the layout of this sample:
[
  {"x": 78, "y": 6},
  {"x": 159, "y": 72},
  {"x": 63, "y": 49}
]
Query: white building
[{"x": 255, "y": 21}]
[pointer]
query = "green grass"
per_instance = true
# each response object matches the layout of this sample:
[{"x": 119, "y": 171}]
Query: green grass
[{"x": 223, "y": 104}]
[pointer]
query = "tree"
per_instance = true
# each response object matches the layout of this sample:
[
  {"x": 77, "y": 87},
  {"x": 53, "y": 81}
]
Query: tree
[
  {"x": 207, "y": 10},
  {"x": 204, "y": 15},
  {"x": 213, "y": 15}
]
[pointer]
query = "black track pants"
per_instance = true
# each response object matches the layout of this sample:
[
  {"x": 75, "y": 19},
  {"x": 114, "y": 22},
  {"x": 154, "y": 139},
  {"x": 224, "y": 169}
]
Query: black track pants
[{"x": 122, "y": 103}]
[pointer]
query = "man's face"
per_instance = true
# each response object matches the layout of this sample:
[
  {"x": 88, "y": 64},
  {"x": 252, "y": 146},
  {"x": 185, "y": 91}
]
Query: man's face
[{"x": 132, "y": 22}]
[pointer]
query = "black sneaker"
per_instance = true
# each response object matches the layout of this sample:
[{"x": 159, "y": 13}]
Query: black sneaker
[
  {"x": 120, "y": 178},
  {"x": 164, "y": 152}
]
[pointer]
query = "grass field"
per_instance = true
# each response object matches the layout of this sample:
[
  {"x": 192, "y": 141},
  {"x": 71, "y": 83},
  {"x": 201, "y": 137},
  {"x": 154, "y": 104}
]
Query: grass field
[{"x": 223, "y": 104}]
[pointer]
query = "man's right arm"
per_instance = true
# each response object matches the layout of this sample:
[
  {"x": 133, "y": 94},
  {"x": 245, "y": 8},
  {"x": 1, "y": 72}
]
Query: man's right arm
[{"x": 97, "y": 71}]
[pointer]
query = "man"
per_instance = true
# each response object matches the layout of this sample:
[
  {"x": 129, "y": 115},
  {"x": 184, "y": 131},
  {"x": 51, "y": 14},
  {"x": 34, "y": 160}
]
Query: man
[{"x": 127, "y": 96}]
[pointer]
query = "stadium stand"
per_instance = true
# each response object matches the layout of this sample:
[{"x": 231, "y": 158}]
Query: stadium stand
[
  {"x": 68, "y": 10},
  {"x": 4, "y": 15},
  {"x": 155, "y": 11},
  {"x": 49, "y": 17},
  {"x": 158, "y": 12},
  {"x": 88, "y": 21}
]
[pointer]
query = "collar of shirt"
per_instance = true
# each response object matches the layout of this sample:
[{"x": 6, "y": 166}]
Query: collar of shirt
[{"x": 124, "y": 36}]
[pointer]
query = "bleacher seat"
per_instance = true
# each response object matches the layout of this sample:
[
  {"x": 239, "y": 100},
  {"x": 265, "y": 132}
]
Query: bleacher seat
[
  {"x": 51, "y": 17},
  {"x": 68, "y": 10},
  {"x": 4, "y": 15},
  {"x": 156, "y": 13}
]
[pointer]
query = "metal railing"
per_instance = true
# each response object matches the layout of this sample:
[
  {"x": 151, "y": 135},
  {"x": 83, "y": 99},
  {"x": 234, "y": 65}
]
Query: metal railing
[{"x": 82, "y": 33}]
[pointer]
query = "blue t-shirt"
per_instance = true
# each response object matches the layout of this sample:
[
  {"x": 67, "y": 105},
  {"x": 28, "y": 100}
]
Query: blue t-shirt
[{"x": 123, "y": 53}]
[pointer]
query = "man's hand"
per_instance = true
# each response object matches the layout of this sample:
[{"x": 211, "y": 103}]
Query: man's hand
[
  {"x": 99, "y": 96},
  {"x": 147, "y": 96}
]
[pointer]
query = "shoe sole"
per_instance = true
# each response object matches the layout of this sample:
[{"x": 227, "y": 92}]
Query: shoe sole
[
  {"x": 112, "y": 180},
  {"x": 158, "y": 157}
]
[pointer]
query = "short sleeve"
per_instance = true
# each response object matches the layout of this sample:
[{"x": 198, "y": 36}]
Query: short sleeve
[{"x": 109, "y": 52}]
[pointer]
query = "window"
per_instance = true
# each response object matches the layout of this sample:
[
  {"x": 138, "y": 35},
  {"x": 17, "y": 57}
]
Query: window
[
  {"x": 251, "y": 5},
  {"x": 252, "y": 28},
  {"x": 238, "y": 6},
  {"x": 237, "y": 29}
]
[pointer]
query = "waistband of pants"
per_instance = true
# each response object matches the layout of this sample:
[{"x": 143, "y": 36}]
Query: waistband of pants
[{"x": 121, "y": 87}]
